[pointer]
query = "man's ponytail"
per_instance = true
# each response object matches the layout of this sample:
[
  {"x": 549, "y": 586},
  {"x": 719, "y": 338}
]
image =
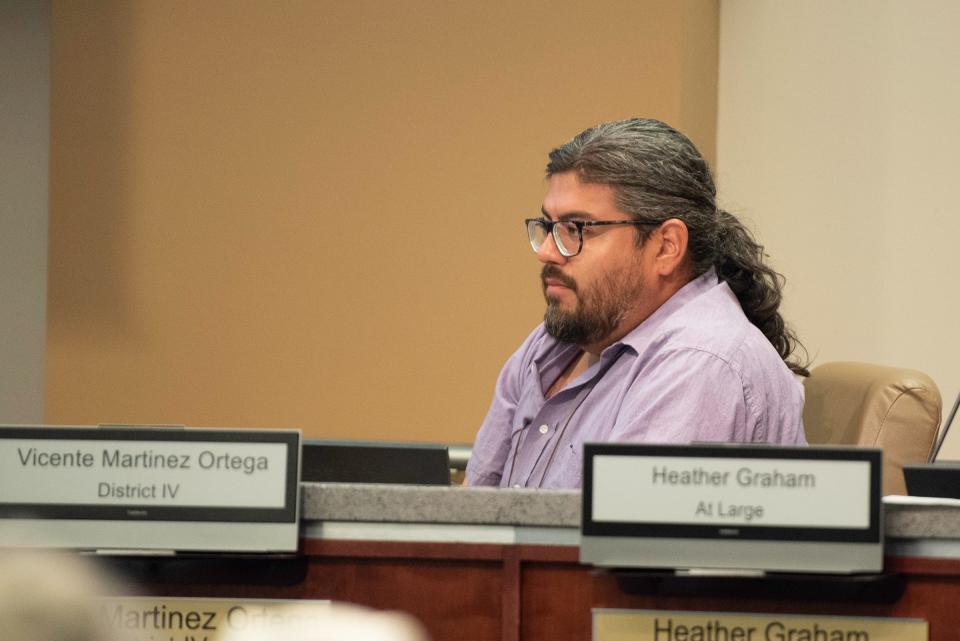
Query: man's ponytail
[{"x": 740, "y": 262}]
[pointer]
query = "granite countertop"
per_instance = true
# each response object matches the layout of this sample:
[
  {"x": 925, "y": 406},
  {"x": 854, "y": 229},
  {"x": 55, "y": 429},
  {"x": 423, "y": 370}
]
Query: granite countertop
[
  {"x": 922, "y": 521},
  {"x": 440, "y": 504},
  {"x": 536, "y": 508}
]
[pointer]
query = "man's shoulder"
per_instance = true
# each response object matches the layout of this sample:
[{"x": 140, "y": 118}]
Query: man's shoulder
[
  {"x": 713, "y": 327},
  {"x": 712, "y": 323}
]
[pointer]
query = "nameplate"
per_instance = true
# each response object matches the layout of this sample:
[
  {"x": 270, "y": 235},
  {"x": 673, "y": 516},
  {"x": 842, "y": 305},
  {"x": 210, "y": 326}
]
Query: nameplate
[
  {"x": 144, "y": 467},
  {"x": 732, "y": 490},
  {"x": 672, "y": 494},
  {"x": 646, "y": 625},
  {"x": 90, "y": 477},
  {"x": 189, "y": 619}
]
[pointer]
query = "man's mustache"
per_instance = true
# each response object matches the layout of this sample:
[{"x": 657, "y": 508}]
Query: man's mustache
[{"x": 553, "y": 272}]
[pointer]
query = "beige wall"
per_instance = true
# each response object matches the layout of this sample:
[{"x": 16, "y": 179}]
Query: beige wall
[
  {"x": 838, "y": 136},
  {"x": 307, "y": 214}
]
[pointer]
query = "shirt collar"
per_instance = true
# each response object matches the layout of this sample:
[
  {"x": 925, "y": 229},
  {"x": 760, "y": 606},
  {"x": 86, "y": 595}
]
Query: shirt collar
[{"x": 641, "y": 335}]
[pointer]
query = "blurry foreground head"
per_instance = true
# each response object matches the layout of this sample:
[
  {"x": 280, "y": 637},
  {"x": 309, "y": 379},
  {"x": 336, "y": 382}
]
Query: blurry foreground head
[
  {"x": 332, "y": 622},
  {"x": 47, "y": 596}
]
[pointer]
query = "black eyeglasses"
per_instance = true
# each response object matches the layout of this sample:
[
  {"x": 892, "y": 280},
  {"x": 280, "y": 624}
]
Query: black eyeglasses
[{"x": 568, "y": 234}]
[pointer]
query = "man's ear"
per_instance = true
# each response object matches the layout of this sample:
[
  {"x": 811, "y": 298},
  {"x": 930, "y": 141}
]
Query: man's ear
[{"x": 672, "y": 252}]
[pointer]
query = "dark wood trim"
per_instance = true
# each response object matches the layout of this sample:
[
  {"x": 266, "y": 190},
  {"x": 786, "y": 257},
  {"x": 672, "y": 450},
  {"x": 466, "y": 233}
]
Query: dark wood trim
[
  {"x": 923, "y": 565},
  {"x": 511, "y": 615},
  {"x": 542, "y": 592}
]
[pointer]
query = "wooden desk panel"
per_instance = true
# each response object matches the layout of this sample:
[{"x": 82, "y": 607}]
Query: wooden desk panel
[
  {"x": 466, "y": 592},
  {"x": 457, "y": 591}
]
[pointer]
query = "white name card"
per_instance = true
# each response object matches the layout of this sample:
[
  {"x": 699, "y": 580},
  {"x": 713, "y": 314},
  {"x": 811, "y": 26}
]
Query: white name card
[
  {"x": 149, "y": 488},
  {"x": 737, "y": 507},
  {"x": 743, "y": 491},
  {"x": 149, "y": 472}
]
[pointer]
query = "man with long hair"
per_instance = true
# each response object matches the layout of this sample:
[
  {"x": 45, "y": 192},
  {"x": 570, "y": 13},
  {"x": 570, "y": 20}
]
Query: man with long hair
[{"x": 662, "y": 322}]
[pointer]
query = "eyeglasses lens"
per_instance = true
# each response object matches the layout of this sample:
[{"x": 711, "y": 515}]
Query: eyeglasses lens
[
  {"x": 537, "y": 232},
  {"x": 567, "y": 237}
]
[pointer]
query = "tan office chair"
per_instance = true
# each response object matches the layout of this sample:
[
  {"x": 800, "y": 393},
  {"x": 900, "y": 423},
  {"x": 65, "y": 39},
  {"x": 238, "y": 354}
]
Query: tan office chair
[{"x": 895, "y": 409}]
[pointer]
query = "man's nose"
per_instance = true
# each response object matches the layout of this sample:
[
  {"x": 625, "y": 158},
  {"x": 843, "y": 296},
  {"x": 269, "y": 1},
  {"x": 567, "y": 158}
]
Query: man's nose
[{"x": 548, "y": 252}]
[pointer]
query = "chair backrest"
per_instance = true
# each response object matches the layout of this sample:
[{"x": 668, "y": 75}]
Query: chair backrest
[{"x": 895, "y": 409}]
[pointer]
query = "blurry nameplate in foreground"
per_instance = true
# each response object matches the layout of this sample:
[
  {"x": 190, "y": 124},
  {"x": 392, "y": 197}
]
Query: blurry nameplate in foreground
[
  {"x": 149, "y": 488},
  {"x": 739, "y": 507},
  {"x": 646, "y": 625},
  {"x": 196, "y": 619}
]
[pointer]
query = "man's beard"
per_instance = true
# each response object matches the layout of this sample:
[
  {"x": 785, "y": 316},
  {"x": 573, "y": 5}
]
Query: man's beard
[{"x": 598, "y": 310}]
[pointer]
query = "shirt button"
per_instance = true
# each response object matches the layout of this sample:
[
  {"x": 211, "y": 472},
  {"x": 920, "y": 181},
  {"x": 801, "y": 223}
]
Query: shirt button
[{"x": 544, "y": 429}]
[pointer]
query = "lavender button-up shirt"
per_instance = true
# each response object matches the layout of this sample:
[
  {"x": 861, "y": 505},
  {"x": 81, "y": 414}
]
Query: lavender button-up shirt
[{"x": 695, "y": 370}]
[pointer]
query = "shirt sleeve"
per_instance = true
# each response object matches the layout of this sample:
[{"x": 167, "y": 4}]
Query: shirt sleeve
[
  {"x": 686, "y": 396},
  {"x": 492, "y": 445}
]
